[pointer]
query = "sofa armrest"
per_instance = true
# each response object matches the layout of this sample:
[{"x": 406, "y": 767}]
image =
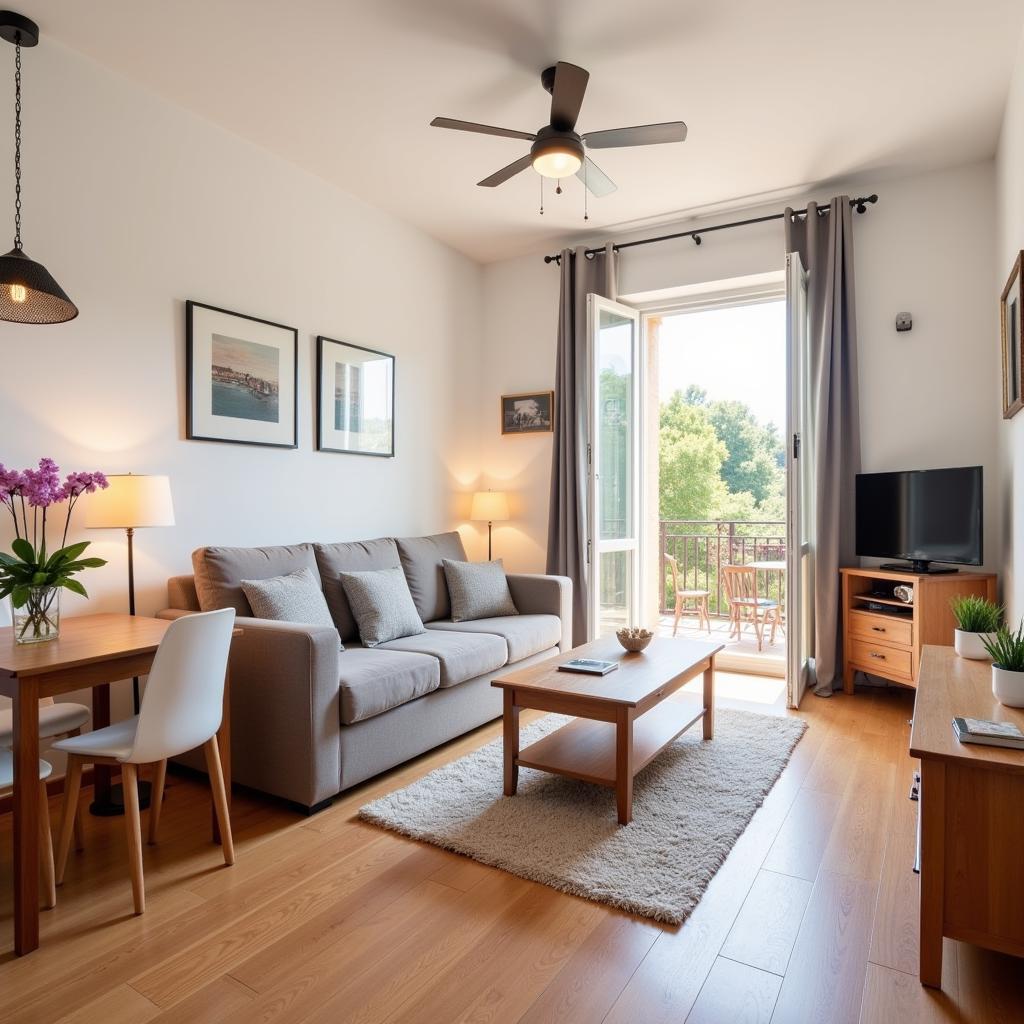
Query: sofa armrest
[
  {"x": 285, "y": 718},
  {"x": 535, "y": 594}
]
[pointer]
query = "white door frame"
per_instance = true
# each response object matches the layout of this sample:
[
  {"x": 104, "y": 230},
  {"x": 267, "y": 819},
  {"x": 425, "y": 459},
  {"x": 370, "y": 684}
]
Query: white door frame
[{"x": 596, "y": 547}]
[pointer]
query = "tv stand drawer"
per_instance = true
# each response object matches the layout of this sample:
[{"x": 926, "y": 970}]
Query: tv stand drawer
[
  {"x": 882, "y": 628},
  {"x": 881, "y": 660}
]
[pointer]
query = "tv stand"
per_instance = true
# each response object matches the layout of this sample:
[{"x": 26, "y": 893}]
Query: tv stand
[
  {"x": 883, "y": 636},
  {"x": 918, "y": 567}
]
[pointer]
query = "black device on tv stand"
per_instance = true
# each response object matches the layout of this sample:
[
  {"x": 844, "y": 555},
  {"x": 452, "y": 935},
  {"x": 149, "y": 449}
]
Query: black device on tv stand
[{"x": 918, "y": 567}]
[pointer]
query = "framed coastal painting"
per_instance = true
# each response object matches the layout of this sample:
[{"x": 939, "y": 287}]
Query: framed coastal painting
[
  {"x": 355, "y": 399},
  {"x": 240, "y": 378},
  {"x": 532, "y": 413},
  {"x": 1011, "y": 325}
]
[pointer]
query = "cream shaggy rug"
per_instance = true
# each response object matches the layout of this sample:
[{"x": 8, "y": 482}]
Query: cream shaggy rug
[{"x": 690, "y": 805}]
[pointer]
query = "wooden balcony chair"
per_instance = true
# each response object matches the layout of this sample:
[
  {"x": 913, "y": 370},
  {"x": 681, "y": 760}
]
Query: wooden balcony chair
[
  {"x": 740, "y": 582},
  {"x": 684, "y": 596}
]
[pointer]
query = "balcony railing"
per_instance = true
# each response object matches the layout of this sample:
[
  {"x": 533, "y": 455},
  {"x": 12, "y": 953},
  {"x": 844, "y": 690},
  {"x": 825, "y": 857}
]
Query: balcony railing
[{"x": 702, "y": 546}]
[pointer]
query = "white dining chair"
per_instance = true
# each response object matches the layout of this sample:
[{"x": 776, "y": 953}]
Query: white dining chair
[
  {"x": 181, "y": 709},
  {"x": 45, "y": 836}
]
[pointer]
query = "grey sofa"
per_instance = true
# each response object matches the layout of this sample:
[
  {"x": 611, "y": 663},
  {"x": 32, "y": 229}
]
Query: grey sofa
[{"x": 309, "y": 720}]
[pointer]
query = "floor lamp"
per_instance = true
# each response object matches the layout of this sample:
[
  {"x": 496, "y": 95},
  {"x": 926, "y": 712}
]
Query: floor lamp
[
  {"x": 130, "y": 503},
  {"x": 490, "y": 507}
]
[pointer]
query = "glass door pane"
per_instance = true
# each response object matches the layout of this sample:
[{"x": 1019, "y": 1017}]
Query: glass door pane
[{"x": 613, "y": 454}]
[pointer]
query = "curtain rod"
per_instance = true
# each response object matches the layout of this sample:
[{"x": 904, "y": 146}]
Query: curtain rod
[{"x": 858, "y": 204}]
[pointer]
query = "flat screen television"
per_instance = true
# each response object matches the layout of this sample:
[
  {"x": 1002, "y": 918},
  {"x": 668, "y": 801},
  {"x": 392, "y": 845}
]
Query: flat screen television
[{"x": 924, "y": 515}]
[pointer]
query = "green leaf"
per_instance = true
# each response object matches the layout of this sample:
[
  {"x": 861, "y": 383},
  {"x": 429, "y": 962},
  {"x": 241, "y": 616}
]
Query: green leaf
[
  {"x": 19, "y": 596},
  {"x": 6, "y": 559},
  {"x": 75, "y": 587},
  {"x": 23, "y": 549},
  {"x": 68, "y": 554},
  {"x": 39, "y": 578}
]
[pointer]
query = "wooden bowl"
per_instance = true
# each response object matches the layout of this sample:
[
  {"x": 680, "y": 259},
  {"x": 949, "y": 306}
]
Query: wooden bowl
[{"x": 634, "y": 640}]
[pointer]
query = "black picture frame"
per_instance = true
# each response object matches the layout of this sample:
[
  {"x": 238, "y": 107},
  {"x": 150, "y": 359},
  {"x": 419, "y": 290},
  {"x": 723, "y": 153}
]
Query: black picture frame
[
  {"x": 191, "y": 431},
  {"x": 323, "y": 432}
]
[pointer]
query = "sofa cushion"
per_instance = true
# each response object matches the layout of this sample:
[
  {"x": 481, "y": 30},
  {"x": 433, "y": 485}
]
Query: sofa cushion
[
  {"x": 462, "y": 655},
  {"x": 381, "y": 604},
  {"x": 296, "y": 597},
  {"x": 220, "y": 571},
  {"x": 374, "y": 681},
  {"x": 357, "y": 556},
  {"x": 478, "y": 590},
  {"x": 525, "y": 635},
  {"x": 422, "y": 559}
]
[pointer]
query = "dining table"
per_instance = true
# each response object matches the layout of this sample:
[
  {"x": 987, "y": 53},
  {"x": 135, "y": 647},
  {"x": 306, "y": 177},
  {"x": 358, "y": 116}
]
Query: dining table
[{"x": 91, "y": 652}]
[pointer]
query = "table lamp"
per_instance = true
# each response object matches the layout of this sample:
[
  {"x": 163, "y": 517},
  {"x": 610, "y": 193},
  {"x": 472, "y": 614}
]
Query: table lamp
[
  {"x": 490, "y": 507},
  {"x": 130, "y": 503}
]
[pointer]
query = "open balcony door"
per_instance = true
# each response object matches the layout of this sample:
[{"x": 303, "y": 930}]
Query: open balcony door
[
  {"x": 613, "y": 451},
  {"x": 799, "y": 489}
]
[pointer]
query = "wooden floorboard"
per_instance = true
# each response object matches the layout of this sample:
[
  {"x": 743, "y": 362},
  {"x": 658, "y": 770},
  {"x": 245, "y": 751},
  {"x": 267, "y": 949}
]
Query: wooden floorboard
[{"x": 812, "y": 917}]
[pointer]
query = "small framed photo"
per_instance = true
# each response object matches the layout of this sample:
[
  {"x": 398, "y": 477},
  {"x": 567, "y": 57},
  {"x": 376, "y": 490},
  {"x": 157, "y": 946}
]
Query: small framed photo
[
  {"x": 532, "y": 413},
  {"x": 355, "y": 399},
  {"x": 1011, "y": 325},
  {"x": 240, "y": 378}
]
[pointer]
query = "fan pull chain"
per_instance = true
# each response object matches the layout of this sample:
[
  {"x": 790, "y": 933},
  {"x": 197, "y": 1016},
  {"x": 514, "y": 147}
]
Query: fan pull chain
[
  {"x": 558, "y": 187},
  {"x": 586, "y": 192},
  {"x": 541, "y": 176}
]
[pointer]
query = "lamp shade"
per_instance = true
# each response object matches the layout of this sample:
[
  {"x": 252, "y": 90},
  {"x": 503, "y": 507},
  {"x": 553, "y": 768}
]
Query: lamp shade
[
  {"x": 489, "y": 506},
  {"x": 29, "y": 294},
  {"x": 131, "y": 502}
]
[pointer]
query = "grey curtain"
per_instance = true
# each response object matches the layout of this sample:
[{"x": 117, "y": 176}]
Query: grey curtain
[
  {"x": 567, "y": 518},
  {"x": 825, "y": 244}
]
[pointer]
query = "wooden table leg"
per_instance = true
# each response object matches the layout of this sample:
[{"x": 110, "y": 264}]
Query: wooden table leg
[
  {"x": 224, "y": 746},
  {"x": 26, "y": 816},
  {"x": 624, "y": 765},
  {"x": 932, "y": 808},
  {"x": 709, "y": 700},
  {"x": 100, "y": 720},
  {"x": 510, "y": 731}
]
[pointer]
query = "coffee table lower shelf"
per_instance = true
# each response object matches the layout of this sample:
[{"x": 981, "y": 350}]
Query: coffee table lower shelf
[{"x": 586, "y": 749}]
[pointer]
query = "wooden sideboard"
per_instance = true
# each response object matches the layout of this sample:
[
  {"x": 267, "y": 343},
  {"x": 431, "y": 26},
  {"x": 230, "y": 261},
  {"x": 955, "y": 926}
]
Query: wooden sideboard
[
  {"x": 971, "y": 826},
  {"x": 886, "y": 638}
]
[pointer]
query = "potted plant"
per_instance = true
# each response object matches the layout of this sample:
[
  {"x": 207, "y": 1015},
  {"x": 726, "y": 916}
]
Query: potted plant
[
  {"x": 1006, "y": 650},
  {"x": 977, "y": 621},
  {"x": 32, "y": 575}
]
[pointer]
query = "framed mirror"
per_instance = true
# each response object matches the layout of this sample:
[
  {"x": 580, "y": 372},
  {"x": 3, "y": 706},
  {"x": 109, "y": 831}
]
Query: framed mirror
[
  {"x": 1011, "y": 306},
  {"x": 355, "y": 389}
]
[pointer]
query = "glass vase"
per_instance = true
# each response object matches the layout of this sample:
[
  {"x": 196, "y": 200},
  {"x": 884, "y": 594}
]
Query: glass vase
[{"x": 38, "y": 619}]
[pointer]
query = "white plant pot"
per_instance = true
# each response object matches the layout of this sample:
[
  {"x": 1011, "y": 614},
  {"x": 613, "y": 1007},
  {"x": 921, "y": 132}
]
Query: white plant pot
[
  {"x": 971, "y": 645},
  {"x": 1008, "y": 687}
]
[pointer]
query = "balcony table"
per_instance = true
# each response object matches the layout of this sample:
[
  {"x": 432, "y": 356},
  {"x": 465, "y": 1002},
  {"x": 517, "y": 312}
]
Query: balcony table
[{"x": 91, "y": 652}]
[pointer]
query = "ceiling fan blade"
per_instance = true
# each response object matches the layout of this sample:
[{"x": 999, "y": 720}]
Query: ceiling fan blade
[
  {"x": 567, "y": 95},
  {"x": 482, "y": 129},
  {"x": 595, "y": 179},
  {"x": 643, "y": 135},
  {"x": 500, "y": 177}
]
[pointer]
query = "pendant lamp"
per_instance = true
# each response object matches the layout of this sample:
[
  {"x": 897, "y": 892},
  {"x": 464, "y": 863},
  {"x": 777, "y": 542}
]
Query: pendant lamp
[{"x": 28, "y": 293}]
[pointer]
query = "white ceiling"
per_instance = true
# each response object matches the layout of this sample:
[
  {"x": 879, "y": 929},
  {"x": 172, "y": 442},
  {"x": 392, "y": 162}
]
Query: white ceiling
[{"x": 776, "y": 94}]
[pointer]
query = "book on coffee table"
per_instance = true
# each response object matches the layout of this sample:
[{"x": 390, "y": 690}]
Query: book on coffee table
[{"x": 589, "y": 666}]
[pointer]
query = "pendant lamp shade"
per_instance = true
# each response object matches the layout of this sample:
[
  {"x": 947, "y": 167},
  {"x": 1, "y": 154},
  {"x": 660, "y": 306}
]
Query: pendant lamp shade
[{"x": 28, "y": 293}]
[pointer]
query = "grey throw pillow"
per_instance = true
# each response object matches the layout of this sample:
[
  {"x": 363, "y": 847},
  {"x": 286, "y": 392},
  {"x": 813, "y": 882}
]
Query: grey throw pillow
[
  {"x": 381, "y": 605},
  {"x": 478, "y": 590},
  {"x": 296, "y": 597}
]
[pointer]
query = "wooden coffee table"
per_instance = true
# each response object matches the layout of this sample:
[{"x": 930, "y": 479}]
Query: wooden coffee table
[{"x": 622, "y": 719}]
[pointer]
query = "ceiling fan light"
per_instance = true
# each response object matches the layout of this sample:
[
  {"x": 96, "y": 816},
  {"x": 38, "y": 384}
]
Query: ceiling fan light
[{"x": 557, "y": 158}]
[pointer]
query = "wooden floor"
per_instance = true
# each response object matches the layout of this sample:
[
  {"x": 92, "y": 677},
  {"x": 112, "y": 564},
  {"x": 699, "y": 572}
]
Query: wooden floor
[{"x": 811, "y": 918}]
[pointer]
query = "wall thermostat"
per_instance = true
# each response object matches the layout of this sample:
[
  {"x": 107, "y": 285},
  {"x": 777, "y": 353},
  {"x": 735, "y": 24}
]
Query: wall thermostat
[{"x": 904, "y": 321}]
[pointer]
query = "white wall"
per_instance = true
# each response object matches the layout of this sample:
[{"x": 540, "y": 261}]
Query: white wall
[
  {"x": 928, "y": 398},
  {"x": 1009, "y": 242},
  {"x": 135, "y": 206}
]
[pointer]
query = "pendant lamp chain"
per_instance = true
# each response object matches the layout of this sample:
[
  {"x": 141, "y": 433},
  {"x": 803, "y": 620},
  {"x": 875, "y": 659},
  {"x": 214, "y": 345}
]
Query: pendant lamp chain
[{"x": 17, "y": 146}]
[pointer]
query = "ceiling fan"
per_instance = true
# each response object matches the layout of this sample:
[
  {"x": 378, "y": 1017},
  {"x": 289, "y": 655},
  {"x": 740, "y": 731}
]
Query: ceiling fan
[{"x": 558, "y": 150}]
